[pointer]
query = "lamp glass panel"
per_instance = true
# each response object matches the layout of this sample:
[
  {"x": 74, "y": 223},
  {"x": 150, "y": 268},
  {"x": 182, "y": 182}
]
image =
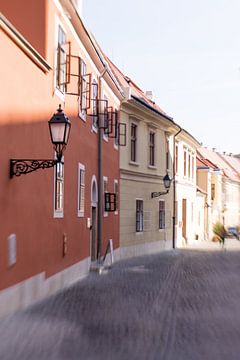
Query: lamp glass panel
[
  {"x": 57, "y": 131},
  {"x": 167, "y": 181},
  {"x": 67, "y": 133}
]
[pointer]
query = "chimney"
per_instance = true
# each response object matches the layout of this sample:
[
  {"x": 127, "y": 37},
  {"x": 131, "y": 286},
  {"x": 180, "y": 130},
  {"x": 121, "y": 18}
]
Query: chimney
[{"x": 149, "y": 94}]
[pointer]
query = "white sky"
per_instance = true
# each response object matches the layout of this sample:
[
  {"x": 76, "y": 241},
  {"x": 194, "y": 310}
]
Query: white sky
[{"x": 186, "y": 51}]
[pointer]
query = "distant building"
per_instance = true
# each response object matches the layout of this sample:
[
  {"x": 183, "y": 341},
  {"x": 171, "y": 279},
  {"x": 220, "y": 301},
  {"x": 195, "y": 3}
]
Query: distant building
[
  {"x": 185, "y": 188},
  {"x": 218, "y": 176}
]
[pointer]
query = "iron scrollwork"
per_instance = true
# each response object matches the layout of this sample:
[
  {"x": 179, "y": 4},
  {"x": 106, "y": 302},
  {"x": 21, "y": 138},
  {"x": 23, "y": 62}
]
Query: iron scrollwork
[{"x": 22, "y": 167}]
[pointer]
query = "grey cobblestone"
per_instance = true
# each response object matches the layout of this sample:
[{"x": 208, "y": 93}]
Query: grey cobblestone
[{"x": 175, "y": 305}]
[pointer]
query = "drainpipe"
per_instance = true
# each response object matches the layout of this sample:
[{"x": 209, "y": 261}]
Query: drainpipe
[
  {"x": 100, "y": 175},
  {"x": 174, "y": 190}
]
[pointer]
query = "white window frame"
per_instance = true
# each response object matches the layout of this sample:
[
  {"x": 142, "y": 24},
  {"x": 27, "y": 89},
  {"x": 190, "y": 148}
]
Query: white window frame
[
  {"x": 176, "y": 154},
  {"x": 152, "y": 149},
  {"x": 185, "y": 163},
  {"x": 105, "y": 136},
  {"x": 135, "y": 142},
  {"x": 116, "y": 184},
  {"x": 168, "y": 157},
  {"x": 57, "y": 91},
  {"x": 82, "y": 113},
  {"x": 58, "y": 213},
  {"x": 116, "y": 139},
  {"x": 105, "y": 181},
  {"x": 81, "y": 187},
  {"x": 94, "y": 128}
]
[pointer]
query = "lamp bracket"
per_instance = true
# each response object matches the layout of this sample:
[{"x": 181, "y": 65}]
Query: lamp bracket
[
  {"x": 159, "y": 193},
  {"x": 20, "y": 167}
]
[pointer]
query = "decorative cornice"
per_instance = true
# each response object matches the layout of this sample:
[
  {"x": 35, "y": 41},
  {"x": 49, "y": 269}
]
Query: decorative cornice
[{"x": 23, "y": 44}]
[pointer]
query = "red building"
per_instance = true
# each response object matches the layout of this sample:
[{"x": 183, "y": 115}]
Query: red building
[{"x": 54, "y": 221}]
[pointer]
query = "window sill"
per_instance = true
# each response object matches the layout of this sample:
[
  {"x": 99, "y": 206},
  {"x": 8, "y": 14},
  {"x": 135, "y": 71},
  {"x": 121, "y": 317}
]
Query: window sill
[
  {"x": 152, "y": 167},
  {"x": 59, "y": 94},
  {"x": 58, "y": 214},
  {"x": 94, "y": 129},
  {"x": 80, "y": 214},
  {"x": 134, "y": 163},
  {"x": 83, "y": 116}
]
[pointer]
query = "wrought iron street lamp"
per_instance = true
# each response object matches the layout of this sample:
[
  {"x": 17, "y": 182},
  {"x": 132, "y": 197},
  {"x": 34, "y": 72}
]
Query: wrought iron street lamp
[
  {"x": 167, "y": 184},
  {"x": 59, "y": 127}
]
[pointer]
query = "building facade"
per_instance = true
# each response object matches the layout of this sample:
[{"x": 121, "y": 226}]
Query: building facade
[
  {"x": 218, "y": 175},
  {"x": 185, "y": 188},
  {"x": 146, "y": 223},
  {"x": 55, "y": 222}
]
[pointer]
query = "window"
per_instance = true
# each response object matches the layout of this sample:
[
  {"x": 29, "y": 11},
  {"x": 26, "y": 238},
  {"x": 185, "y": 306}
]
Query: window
[
  {"x": 212, "y": 192},
  {"x": 61, "y": 60},
  {"x": 105, "y": 119},
  {"x": 105, "y": 185},
  {"x": 139, "y": 215},
  {"x": 94, "y": 104},
  {"x": 151, "y": 148},
  {"x": 192, "y": 211},
  {"x": 117, "y": 197},
  {"x": 83, "y": 91},
  {"x": 59, "y": 189},
  {"x": 185, "y": 162},
  {"x": 193, "y": 166},
  {"x": 176, "y": 158},
  {"x": 167, "y": 154},
  {"x": 116, "y": 139},
  {"x": 133, "y": 142},
  {"x": 161, "y": 214},
  {"x": 189, "y": 165},
  {"x": 81, "y": 189}
]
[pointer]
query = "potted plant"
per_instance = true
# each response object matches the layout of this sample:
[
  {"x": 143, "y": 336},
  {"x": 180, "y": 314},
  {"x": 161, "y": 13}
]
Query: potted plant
[{"x": 220, "y": 232}]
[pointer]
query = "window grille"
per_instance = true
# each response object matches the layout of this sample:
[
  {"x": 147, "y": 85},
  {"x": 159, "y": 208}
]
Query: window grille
[
  {"x": 133, "y": 142},
  {"x": 161, "y": 214},
  {"x": 139, "y": 215}
]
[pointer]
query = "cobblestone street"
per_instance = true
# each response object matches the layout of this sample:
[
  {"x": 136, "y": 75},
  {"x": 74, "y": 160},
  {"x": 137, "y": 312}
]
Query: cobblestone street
[{"x": 175, "y": 305}]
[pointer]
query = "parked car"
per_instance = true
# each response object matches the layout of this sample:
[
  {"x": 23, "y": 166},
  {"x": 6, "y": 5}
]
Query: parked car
[{"x": 233, "y": 232}]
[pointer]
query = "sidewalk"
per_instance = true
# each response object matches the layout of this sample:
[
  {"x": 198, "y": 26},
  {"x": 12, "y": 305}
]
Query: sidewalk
[{"x": 230, "y": 244}]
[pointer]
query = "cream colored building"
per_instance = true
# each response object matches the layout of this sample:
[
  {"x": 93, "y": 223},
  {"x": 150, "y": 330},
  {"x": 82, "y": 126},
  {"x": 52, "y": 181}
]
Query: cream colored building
[
  {"x": 145, "y": 222},
  {"x": 218, "y": 175},
  {"x": 185, "y": 189}
]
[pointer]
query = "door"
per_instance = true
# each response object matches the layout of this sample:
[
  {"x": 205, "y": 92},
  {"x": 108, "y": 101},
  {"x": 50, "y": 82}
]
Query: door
[
  {"x": 184, "y": 219},
  {"x": 94, "y": 234}
]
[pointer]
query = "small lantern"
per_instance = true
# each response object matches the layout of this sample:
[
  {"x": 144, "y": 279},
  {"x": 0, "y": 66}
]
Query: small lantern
[
  {"x": 59, "y": 126},
  {"x": 167, "y": 181}
]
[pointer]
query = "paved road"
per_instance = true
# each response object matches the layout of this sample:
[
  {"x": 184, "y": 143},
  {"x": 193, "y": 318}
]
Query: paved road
[{"x": 177, "y": 305}]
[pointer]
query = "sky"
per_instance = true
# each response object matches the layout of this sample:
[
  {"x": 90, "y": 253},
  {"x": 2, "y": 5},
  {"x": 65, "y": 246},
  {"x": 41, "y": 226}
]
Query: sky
[{"x": 187, "y": 52}]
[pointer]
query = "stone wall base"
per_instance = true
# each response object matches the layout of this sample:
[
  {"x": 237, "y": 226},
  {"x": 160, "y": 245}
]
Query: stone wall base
[{"x": 29, "y": 291}]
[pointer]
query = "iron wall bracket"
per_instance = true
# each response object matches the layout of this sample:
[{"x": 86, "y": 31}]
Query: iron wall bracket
[
  {"x": 20, "y": 167},
  {"x": 159, "y": 193}
]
